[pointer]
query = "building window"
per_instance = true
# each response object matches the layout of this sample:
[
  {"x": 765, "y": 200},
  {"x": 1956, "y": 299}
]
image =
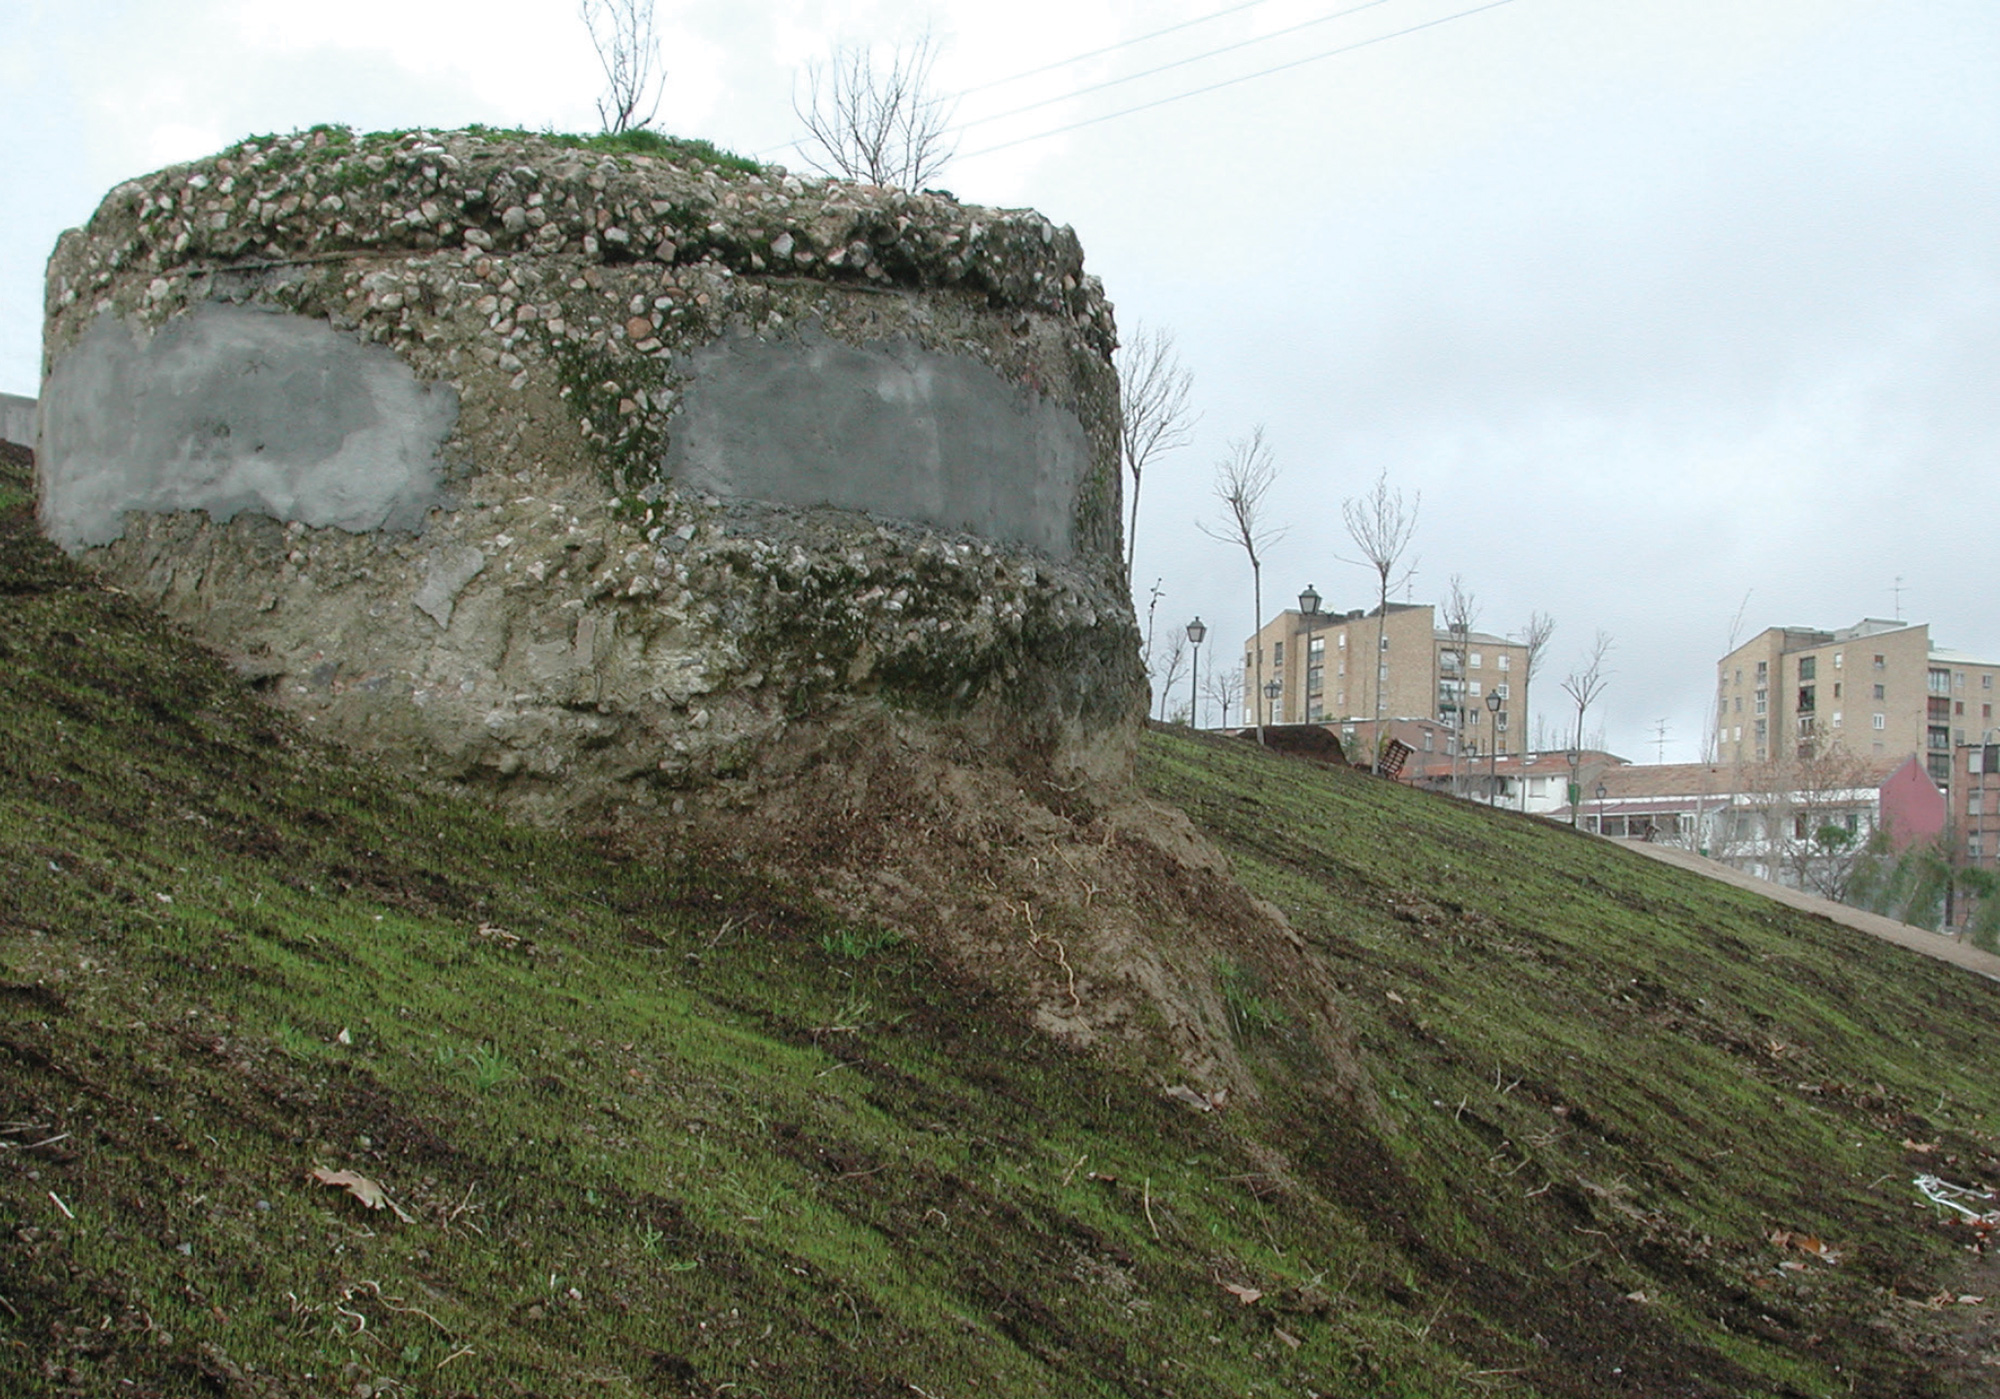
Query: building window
[
  {"x": 1957, "y": 679},
  {"x": 1986, "y": 681},
  {"x": 1474, "y": 687},
  {"x": 1837, "y": 657},
  {"x": 1506, "y": 662},
  {"x": 1763, "y": 731},
  {"x": 1880, "y": 721},
  {"x": 1502, "y": 691},
  {"x": 1763, "y": 701},
  {"x": 1881, "y": 662},
  {"x": 1881, "y": 692},
  {"x": 1340, "y": 668},
  {"x": 1314, "y": 710},
  {"x": 1738, "y": 738},
  {"x": 1341, "y": 643},
  {"x": 1448, "y": 661},
  {"x": 1808, "y": 668},
  {"x": 1315, "y": 679},
  {"x": 1763, "y": 671},
  {"x": 1940, "y": 768},
  {"x": 1806, "y": 704},
  {"x": 1316, "y": 648},
  {"x": 1958, "y": 707},
  {"x": 1475, "y": 660},
  {"x": 1986, "y": 712},
  {"x": 1836, "y": 689},
  {"x": 1277, "y": 654},
  {"x": 1940, "y": 682},
  {"x": 1836, "y": 718},
  {"x": 1430, "y": 741}
]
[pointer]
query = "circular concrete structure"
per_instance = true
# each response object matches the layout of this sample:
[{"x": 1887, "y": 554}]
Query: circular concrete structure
[{"x": 589, "y": 475}]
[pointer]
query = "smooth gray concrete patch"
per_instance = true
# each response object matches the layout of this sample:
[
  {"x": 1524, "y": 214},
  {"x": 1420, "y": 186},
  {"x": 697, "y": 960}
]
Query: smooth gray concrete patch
[
  {"x": 17, "y": 420},
  {"x": 890, "y": 427},
  {"x": 228, "y": 409}
]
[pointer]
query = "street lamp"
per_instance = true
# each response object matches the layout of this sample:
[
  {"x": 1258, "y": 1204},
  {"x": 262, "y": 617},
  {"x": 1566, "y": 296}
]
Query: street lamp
[
  {"x": 1195, "y": 632},
  {"x": 1602, "y": 790},
  {"x": 1309, "y": 601},
  {"x": 1493, "y": 703},
  {"x": 1272, "y": 689}
]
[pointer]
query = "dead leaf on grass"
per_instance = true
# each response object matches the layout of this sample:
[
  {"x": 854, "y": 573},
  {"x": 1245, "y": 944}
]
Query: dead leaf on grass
[
  {"x": 1287, "y": 1337},
  {"x": 1921, "y": 1148},
  {"x": 1805, "y": 1243},
  {"x": 1245, "y": 1295},
  {"x": 362, "y": 1189}
]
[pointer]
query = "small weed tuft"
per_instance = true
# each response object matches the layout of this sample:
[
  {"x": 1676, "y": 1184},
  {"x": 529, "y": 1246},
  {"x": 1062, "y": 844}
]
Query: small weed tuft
[
  {"x": 1251, "y": 1014},
  {"x": 853, "y": 945}
]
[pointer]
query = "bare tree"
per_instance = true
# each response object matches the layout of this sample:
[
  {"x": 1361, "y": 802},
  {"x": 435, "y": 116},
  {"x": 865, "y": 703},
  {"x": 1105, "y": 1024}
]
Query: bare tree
[
  {"x": 1583, "y": 685},
  {"x": 1535, "y": 641},
  {"x": 1381, "y": 526},
  {"x": 882, "y": 125},
  {"x": 1154, "y": 389},
  {"x": 1242, "y": 479},
  {"x": 1152, "y": 606},
  {"x": 629, "y": 52},
  {"x": 1225, "y": 689},
  {"x": 1461, "y": 612},
  {"x": 1172, "y": 667}
]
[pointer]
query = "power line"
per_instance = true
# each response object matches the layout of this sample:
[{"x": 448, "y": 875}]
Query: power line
[
  {"x": 1166, "y": 67},
  {"x": 1232, "y": 82},
  {"x": 1113, "y": 48}
]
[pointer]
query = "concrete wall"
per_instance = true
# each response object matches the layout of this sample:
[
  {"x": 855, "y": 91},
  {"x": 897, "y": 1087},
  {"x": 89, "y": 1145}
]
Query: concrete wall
[
  {"x": 592, "y": 477},
  {"x": 893, "y": 429},
  {"x": 230, "y": 408},
  {"x": 17, "y": 419}
]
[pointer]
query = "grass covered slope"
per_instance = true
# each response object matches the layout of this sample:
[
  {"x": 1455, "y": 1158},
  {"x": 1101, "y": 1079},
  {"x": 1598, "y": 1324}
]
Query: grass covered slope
[
  {"x": 1607, "y": 1082},
  {"x": 666, "y": 1127}
]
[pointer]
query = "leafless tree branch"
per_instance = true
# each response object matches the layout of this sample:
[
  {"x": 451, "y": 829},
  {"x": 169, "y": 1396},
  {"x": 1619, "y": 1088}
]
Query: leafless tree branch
[
  {"x": 1154, "y": 387},
  {"x": 1535, "y": 641},
  {"x": 1461, "y": 613},
  {"x": 628, "y": 49},
  {"x": 1381, "y": 526},
  {"x": 1225, "y": 689},
  {"x": 1242, "y": 480},
  {"x": 882, "y": 125},
  {"x": 1172, "y": 667}
]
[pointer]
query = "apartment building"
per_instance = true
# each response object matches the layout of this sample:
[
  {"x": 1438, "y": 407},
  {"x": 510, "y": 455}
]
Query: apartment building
[
  {"x": 1329, "y": 666},
  {"x": 1975, "y": 804},
  {"x": 1877, "y": 689}
]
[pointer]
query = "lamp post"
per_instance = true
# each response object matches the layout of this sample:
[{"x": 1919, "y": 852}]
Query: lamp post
[
  {"x": 1493, "y": 703},
  {"x": 1575, "y": 792},
  {"x": 1309, "y": 602},
  {"x": 1602, "y": 791},
  {"x": 1195, "y": 632},
  {"x": 1272, "y": 689}
]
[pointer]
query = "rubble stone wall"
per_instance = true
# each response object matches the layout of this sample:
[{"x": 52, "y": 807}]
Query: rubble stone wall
[{"x": 595, "y": 474}]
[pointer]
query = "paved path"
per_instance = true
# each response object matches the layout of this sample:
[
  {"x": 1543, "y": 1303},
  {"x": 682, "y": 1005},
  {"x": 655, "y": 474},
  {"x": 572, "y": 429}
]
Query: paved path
[{"x": 1888, "y": 929}]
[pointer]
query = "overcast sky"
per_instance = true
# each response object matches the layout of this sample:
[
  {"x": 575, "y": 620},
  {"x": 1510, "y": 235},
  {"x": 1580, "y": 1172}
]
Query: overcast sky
[{"x": 1659, "y": 304}]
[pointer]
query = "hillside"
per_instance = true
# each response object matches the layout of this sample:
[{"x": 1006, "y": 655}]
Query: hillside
[{"x": 651, "y": 1119}]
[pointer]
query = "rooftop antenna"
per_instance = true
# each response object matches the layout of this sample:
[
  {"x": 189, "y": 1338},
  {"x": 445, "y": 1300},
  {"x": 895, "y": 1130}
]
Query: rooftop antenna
[
  {"x": 1898, "y": 591},
  {"x": 1661, "y": 740}
]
